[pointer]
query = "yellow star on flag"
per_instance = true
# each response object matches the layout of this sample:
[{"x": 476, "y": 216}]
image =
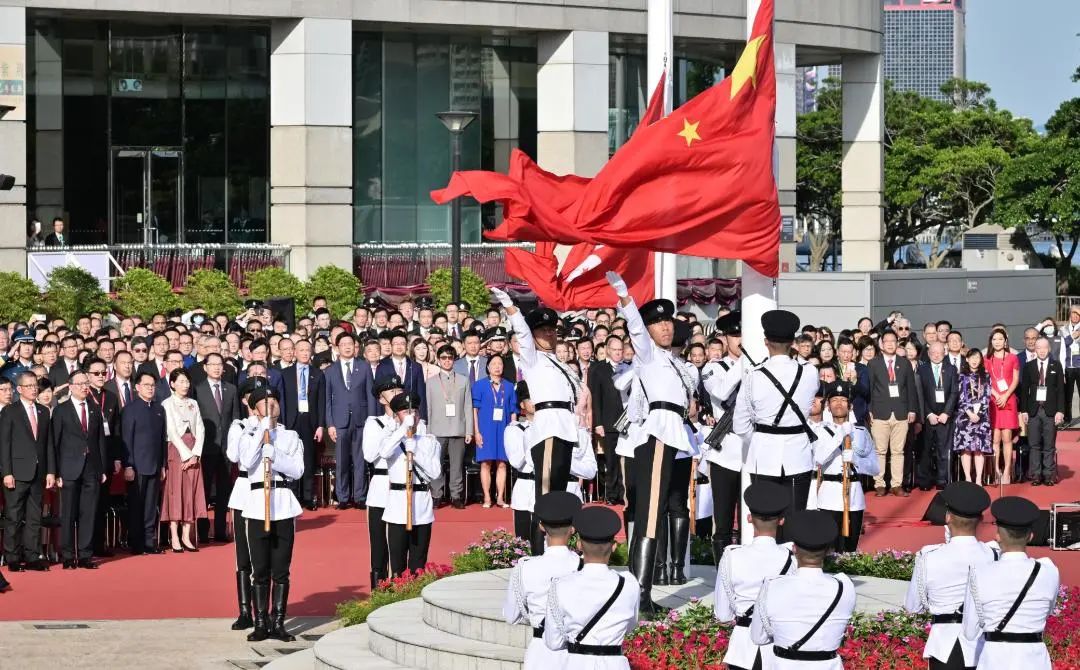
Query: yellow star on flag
[
  {"x": 689, "y": 131},
  {"x": 746, "y": 68}
]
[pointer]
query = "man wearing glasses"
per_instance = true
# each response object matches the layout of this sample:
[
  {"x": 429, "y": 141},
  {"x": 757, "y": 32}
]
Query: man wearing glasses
[
  {"x": 143, "y": 428},
  {"x": 450, "y": 417},
  {"x": 79, "y": 442},
  {"x": 108, "y": 406}
]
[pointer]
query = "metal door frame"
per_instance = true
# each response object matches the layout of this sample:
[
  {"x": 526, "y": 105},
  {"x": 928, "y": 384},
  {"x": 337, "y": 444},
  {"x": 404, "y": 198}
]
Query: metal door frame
[{"x": 150, "y": 232}]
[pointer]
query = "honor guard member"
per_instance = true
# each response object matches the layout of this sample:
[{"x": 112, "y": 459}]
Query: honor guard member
[
  {"x": 582, "y": 464},
  {"x": 804, "y": 614},
  {"x": 771, "y": 411},
  {"x": 742, "y": 570},
  {"x": 671, "y": 548},
  {"x": 591, "y": 611},
  {"x": 1008, "y": 601},
  {"x": 669, "y": 391},
  {"x": 376, "y": 428},
  {"x": 238, "y": 501},
  {"x": 271, "y": 550},
  {"x": 831, "y": 458},
  {"x": 409, "y": 446},
  {"x": 939, "y": 580},
  {"x": 523, "y": 495},
  {"x": 555, "y": 390},
  {"x": 721, "y": 380},
  {"x": 527, "y": 593},
  {"x": 23, "y": 358}
]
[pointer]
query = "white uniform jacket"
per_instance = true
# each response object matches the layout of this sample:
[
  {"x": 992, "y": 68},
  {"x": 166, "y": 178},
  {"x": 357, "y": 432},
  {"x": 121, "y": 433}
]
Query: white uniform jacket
[
  {"x": 286, "y": 453},
  {"x": 636, "y": 405},
  {"x": 527, "y": 596},
  {"x": 519, "y": 455},
  {"x": 376, "y": 428},
  {"x": 742, "y": 570},
  {"x": 788, "y": 607},
  {"x": 992, "y": 589},
  {"x": 572, "y": 602},
  {"x": 759, "y": 403},
  {"x": 938, "y": 585},
  {"x": 548, "y": 381},
  {"x": 241, "y": 487},
  {"x": 720, "y": 379},
  {"x": 829, "y": 456},
  {"x": 427, "y": 465}
]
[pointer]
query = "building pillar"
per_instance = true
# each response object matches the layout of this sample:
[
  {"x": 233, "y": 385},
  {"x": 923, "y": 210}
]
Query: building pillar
[
  {"x": 572, "y": 102},
  {"x": 311, "y": 144},
  {"x": 13, "y": 220},
  {"x": 48, "y": 135},
  {"x": 786, "y": 86},
  {"x": 863, "y": 168}
]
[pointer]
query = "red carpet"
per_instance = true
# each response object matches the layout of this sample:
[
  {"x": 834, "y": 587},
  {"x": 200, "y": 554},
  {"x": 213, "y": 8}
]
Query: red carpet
[{"x": 331, "y": 560}]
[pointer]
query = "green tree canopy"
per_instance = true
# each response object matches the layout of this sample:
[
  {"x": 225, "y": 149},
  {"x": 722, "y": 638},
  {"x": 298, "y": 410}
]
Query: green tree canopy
[
  {"x": 141, "y": 292},
  {"x": 340, "y": 287},
  {"x": 474, "y": 289},
  {"x": 213, "y": 291},
  {"x": 21, "y": 297},
  {"x": 270, "y": 282},
  {"x": 71, "y": 292}
]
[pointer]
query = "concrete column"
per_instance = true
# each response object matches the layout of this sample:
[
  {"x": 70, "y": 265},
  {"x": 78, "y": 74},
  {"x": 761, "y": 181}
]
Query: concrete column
[
  {"x": 863, "y": 168},
  {"x": 572, "y": 102},
  {"x": 48, "y": 136},
  {"x": 13, "y": 138},
  {"x": 786, "y": 86},
  {"x": 311, "y": 145}
]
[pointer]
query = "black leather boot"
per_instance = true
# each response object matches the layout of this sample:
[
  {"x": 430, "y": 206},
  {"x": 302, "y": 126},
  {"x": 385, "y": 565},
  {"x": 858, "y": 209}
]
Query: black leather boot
[
  {"x": 660, "y": 574},
  {"x": 718, "y": 547},
  {"x": 643, "y": 558},
  {"x": 281, "y": 602},
  {"x": 679, "y": 539},
  {"x": 243, "y": 600},
  {"x": 261, "y": 598}
]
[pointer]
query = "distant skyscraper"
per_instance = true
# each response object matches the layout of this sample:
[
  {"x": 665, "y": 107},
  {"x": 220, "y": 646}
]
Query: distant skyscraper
[{"x": 924, "y": 44}]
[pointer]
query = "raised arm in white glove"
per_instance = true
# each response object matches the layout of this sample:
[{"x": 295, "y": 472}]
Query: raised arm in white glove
[
  {"x": 502, "y": 297},
  {"x": 618, "y": 284}
]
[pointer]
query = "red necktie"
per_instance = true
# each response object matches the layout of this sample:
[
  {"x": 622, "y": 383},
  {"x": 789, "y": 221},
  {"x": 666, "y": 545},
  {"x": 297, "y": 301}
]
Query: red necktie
[
  {"x": 163, "y": 371},
  {"x": 32, "y": 413},
  {"x": 82, "y": 417},
  {"x": 892, "y": 372}
]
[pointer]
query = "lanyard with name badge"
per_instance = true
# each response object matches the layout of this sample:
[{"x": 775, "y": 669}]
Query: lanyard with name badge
[
  {"x": 500, "y": 398},
  {"x": 998, "y": 367},
  {"x": 1040, "y": 390},
  {"x": 451, "y": 408},
  {"x": 894, "y": 388},
  {"x": 939, "y": 392}
]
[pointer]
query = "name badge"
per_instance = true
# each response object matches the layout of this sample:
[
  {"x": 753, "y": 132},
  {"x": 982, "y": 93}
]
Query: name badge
[
  {"x": 1002, "y": 385},
  {"x": 451, "y": 409},
  {"x": 302, "y": 406},
  {"x": 976, "y": 406},
  {"x": 1040, "y": 395},
  {"x": 939, "y": 396},
  {"x": 894, "y": 391},
  {"x": 105, "y": 427},
  {"x": 497, "y": 414}
]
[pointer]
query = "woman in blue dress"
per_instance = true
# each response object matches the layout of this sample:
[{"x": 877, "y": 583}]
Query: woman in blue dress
[{"x": 494, "y": 407}]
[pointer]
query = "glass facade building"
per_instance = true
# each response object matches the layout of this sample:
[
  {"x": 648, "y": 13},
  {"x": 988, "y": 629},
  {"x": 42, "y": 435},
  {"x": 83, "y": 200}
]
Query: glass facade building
[{"x": 923, "y": 45}]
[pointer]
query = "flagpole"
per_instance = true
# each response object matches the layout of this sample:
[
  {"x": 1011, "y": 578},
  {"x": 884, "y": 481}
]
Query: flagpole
[
  {"x": 659, "y": 60},
  {"x": 758, "y": 296}
]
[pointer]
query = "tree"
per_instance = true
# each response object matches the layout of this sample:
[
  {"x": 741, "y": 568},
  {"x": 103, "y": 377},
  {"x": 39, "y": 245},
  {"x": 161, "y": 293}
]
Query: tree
[
  {"x": 340, "y": 287},
  {"x": 71, "y": 292},
  {"x": 141, "y": 292},
  {"x": 21, "y": 297},
  {"x": 817, "y": 171},
  {"x": 270, "y": 282},
  {"x": 213, "y": 291},
  {"x": 474, "y": 289}
]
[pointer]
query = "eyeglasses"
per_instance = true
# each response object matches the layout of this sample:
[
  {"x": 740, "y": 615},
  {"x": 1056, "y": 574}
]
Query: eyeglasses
[
  {"x": 97, "y": 373},
  {"x": 446, "y": 358},
  {"x": 904, "y": 328},
  {"x": 139, "y": 350}
]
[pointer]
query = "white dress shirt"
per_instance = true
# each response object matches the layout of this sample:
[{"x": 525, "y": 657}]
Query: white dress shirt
[
  {"x": 286, "y": 463},
  {"x": 527, "y": 596},
  {"x": 788, "y": 607},
  {"x": 574, "y": 599},
  {"x": 759, "y": 402}
]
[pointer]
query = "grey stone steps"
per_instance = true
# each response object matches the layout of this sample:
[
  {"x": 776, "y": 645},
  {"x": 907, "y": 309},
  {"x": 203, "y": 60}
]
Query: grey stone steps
[
  {"x": 345, "y": 649},
  {"x": 298, "y": 660}
]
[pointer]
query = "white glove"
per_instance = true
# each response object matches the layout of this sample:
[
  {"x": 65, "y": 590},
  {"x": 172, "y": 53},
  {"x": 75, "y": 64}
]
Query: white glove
[
  {"x": 410, "y": 444},
  {"x": 849, "y": 455},
  {"x": 268, "y": 451},
  {"x": 502, "y": 297},
  {"x": 846, "y": 428},
  {"x": 409, "y": 421},
  {"x": 618, "y": 284}
]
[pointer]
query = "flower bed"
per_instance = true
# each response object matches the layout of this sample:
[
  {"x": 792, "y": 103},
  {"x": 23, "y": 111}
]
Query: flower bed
[
  {"x": 389, "y": 591},
  {"x": 887, "y": 564}
]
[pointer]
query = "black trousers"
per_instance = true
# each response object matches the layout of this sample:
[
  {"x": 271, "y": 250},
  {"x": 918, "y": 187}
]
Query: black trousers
[
  {"x": 613, "y": 480},
  {"x": 955, "y": 662},
  {"x": 144, "y": 493},
  {"x": 851, "y": 542},
  {"x": 800, "y": 489},
  {"x": 22, "y": 521},
  {"x": 380, "y": 548},
  {"x": 303, "y": 427},
  {"x": 679, "y": 490},
  {"x": 408, "y": 549},
  {"x": 727, "y": 496},
  {"x": 913, "y": 450},
  {"x": 243, "y": 554},
  {"x": 653, "y": 465},
  {"x": 1072, "y": 382},
  {"x": 78, "y": 507},
  {"x": 271, "y": 552},
  {"x": 551, "y": 458},
  {"x": 218, "y": 485},
  {"x": 934, "y": 458},
  {"x": 1042, "y": 441},
  {"x": 523, "y": 524}
]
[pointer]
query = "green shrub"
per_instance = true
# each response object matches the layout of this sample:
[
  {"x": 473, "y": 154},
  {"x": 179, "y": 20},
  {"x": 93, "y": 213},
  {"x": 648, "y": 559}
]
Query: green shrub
[
  {"x": 473, "y": 289},
  {"x": 21, "y": 297},
  {"x": 71, "y": 292},
  {"x": 213, "y": 291},
  {"x": 271, "y": 282},
  {"x": 340, "y": 287},
  {"x": 390, "y": 591},
  {"x": 887, "y": 564},
  {"x": 701, "y": 552},
  {"x": 473, "y": 560},
  {"x": 143, "y": 293}
]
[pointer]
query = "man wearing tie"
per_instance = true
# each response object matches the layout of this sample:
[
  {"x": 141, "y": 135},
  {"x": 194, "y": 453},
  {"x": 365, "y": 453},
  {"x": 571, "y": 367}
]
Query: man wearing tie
[
  {"x": 219, "y": 407},
  {"x": 954, "y": 343},
  {"x": 56, "y": 237},
  {"x": 348, "y": 403},
  {"x": 940, "y": 391},
  {"x": 67, "y": 363},
  {"x": 408, "y": 371},
  {"x": 121, "y": 385},
  {"x": 304, "y": 412},
  {"x": 893, "y": 404},
  {"x": 159, "y": 348},
  {"x": 27, "y": 466},
  {"x": 109, "y": 407},
  {"x": 1042, "y": 409},
  {"x": 472, "y": 364},
  {"x": 79, "y": 442},
  {"x": 142, "y": 426}
]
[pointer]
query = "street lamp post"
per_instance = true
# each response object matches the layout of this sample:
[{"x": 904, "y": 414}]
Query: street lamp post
[{"x": 456, "y": 123}]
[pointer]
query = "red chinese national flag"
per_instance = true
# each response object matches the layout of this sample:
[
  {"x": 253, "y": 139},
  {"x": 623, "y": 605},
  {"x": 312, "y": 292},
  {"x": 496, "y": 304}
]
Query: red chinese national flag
[{"x": 698, "y": 182}]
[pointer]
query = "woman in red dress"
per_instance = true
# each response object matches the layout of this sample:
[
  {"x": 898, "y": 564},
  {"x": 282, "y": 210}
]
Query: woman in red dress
[{"x": 1004, "y": 370}]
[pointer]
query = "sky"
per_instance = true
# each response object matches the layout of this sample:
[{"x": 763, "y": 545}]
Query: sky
[{"x": 1026, "y": 50}]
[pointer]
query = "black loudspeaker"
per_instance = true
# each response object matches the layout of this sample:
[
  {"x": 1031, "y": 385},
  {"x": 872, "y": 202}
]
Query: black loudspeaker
[
  {"x": 285, "y": 308},
  {"x": 935, "y": 512},
  {"x": 1041, "y": 530},
  {"x": 1066, "y": 527}
]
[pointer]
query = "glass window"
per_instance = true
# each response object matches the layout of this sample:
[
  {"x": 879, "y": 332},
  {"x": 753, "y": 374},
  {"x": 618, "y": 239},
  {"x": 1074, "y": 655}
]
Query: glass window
[{"x": 144, "y": 69}]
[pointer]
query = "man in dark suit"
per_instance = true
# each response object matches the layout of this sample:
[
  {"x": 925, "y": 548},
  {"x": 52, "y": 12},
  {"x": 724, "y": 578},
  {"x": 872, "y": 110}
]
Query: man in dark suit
[
  {"x": 408, "y": 371},
  {"x": 607, "y": 408},
  {"x": 1042, "y": 408},
  {"x": 894, "y": 402},
  {"x": 79, "y": 442},
  {"x": 57, "y": 238},
  {"x": 219, "y": 407},
  {"x": 109, "y": 407},
  {"x": 122, "y": 385},
  {"x": 159, "y": 349},
  {"x": 348, "y": 403},
  {"x": 67, "y": 363},
  {"x": 142, "y": 427},
  {"x": 940, "y": 392},
  {"x": 27, "y": 466},
  {"x": 472, "y": 364},
  {"x": 304, "y": 411}
]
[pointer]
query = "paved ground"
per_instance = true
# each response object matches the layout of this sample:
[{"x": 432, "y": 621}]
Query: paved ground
[{"x": 191, "y": 644}]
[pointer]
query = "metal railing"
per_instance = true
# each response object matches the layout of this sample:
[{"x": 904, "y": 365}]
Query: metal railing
[
  {"x": 1064, "y": 303},
  {"x": 409, "y": 264}
]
